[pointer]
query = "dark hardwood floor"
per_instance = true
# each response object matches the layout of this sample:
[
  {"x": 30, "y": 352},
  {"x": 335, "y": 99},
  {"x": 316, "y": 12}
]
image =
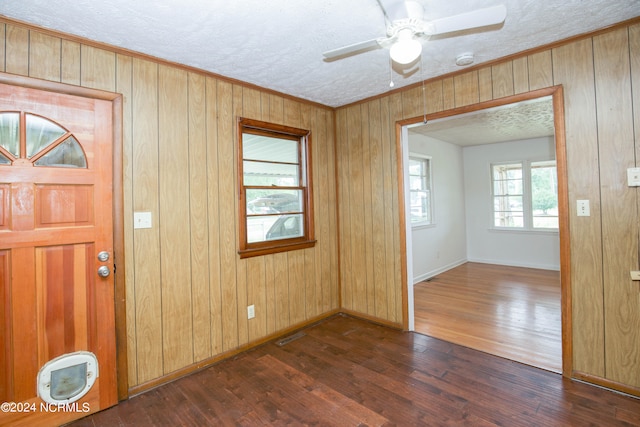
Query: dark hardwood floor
[
  {"x": 350, "y": 372},
  {"x": 511, "y": 312}
]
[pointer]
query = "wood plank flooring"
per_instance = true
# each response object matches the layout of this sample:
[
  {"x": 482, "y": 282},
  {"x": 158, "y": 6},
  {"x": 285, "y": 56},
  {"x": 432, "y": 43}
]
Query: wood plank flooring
[
  {"x": 350, "y": 372},
  {"x": 511, "y": 312}
]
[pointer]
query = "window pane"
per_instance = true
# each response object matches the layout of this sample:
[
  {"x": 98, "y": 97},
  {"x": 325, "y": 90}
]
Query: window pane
[
  {"x": 268, "y": 201},
  {"x": 264, "y": 173},
  {"x": 66, "y": 154},
  {"x": 274, "y": 227},
  {"x": 420, "y": 209},
  {"x": 269, "y": 149},
  {"x": 508, "y": 219},
  {"x": 544, "y": 194},
  {"x": 417, "y": 183},
  {"x": 10, "y": 133},
  {"x": 415, "y": 166},
  {"x": 40, "y": 133},
  {"x": 286, "y": 227},
  {"x": 4, "y": 160}
]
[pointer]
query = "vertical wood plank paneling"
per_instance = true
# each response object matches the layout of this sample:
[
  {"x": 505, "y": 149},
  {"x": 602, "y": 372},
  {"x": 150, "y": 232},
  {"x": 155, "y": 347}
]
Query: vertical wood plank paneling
[
  {"x": 17, "y": 50},
  {"x": 520, "y": 75},
  {"x": 433, "y": 97},
  {"x": 173, "y": 218},
  {"x": 214, "y": 217},
  {"x": 367, "y": 212},
  {"x": 146, "y": 242},
  {"x": 241, "y": 264},
  {"x": 332, "y": 200},
  {"x": 70, "y": 63},
  {"x": 573, "y": 68},
  {"x": 448, "y": 94},
  {"x": 344, "y": 233},
  {"x": 44, "y": 56},
  {"x": 98, "y": 68},
  {"x": 540, "y": 70},
  {"x": 281, "y": 280},
  {"x": 502, "y": 79},
  {"x": 199, "y": 220},
  {"x": 466, "y": 89},
  {"x": 323, "y": 209},
  {"x": 619, "y": 206},
  {"x": 412, "y": 102},
  {"x": 228, "y": 205},
  {"x": 394, "y": 251},
  {"x": 357, "y": 212},
  {"x": 377, "y": 231},
  {"x": 124, "y": 86},
  {"x": 485, "y": 85},
  {"x": 296, "y": 297},
  {"x": 256, "y": 296}
]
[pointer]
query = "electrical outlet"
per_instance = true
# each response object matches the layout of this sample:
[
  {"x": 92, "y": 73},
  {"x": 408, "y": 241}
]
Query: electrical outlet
[{"x": 251, "y": 311}]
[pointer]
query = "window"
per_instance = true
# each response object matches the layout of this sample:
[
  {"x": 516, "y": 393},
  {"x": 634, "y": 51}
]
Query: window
[
  {"x": 420, "y": 189},
  {"x": 525, "y": 195},
  {"x": 40, "y": 141},
  {"x": 275, "y": 188}
]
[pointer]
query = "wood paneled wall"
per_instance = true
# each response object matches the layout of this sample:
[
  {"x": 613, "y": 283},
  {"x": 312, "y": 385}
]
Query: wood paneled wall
[
  {"x": 186, "y": 287},
  {"x": 601, "y": 80}
]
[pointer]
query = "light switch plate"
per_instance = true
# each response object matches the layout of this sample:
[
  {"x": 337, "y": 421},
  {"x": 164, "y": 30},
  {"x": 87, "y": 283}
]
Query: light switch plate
[
  {"x": 635, "y": 275},
  {"x": 633, "y": 177},
  {"x": 142, "y": 220},
  {"x": 583, "y": 208}
]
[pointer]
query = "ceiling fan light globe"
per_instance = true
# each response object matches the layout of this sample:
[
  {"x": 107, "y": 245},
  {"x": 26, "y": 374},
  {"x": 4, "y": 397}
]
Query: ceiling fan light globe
[{"x": 405, "y": 51}]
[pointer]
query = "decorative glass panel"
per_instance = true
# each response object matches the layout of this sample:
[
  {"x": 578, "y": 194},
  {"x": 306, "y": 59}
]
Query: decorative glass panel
[
  {"x": 41, "y": 133},
  {"x": 4, "y": 160},
  {"x": 67, "y": 154},
  {"x": 10, "y": 133}
]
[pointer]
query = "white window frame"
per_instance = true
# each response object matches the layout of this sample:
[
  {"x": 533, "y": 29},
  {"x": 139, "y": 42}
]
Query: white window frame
[
  {"x": 429, "y": 189},
  {"x": 527, "y": 197}
]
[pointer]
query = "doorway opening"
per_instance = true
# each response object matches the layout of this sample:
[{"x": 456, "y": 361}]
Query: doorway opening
[{"x": 477, "y": 220}]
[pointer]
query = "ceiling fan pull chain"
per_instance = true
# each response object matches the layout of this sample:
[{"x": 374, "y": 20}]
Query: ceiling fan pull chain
[{"x": 424, "y": 93}]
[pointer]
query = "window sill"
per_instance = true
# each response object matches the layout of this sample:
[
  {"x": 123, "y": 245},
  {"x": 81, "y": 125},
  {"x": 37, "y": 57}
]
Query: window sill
[
  {"x": 285, "y": 247},
  {"x": 422, "y": 225},
  {"x": 523, "y": 231}
]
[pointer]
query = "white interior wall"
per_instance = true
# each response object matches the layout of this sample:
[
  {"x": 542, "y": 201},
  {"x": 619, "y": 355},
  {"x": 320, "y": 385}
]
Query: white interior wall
[
  {"x": 442, "y": 245},
  {"x": 462, "y": 210},
  {"x": 539, "y": 249}
]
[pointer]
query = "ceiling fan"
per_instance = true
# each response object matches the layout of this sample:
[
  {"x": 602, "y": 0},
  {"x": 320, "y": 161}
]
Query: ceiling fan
[{"x": 406, "y": 28}]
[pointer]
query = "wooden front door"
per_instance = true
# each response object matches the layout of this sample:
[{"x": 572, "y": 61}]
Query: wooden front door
[{"x": 55, "y": 220}]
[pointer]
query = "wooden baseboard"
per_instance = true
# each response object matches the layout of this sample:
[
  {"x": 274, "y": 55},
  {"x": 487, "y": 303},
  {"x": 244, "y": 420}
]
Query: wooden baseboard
[{"x": 606, "y": 383}]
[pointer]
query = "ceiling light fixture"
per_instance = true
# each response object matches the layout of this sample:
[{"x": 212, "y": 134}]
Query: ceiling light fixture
[{"x": 406, "y": 49}]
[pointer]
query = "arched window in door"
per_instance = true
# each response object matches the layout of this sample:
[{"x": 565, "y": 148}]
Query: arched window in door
[{"x": 39, "y": 141}]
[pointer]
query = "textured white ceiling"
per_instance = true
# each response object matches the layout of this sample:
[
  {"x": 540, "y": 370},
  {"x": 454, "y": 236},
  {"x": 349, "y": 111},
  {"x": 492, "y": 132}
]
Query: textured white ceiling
[
  {"x": 511, "y": 122},
  {"x": 278, "y": 44}
]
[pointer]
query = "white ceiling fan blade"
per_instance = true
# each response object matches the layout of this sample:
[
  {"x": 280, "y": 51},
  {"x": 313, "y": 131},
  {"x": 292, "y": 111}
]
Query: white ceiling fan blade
[
  {"x": 477, "y": 18},
  {"x": 353, "y": 49},
  {"x": 401, "y": 9}
]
